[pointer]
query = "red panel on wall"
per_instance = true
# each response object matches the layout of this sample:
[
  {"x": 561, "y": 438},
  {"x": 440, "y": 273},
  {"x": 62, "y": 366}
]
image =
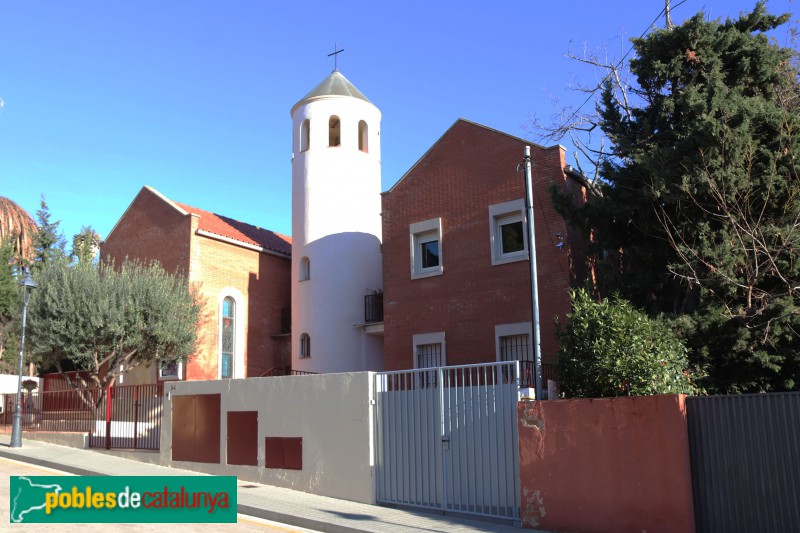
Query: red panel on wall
[
  {"x": 243, "y": 438},
  {"x": 273, "y": 452},
  {"x": 207, "y": 428},
  {"x": 293, "y": 453},
  {"x": 183, "y": 428},
  {"x": 196, "y": 428},
  {"x": 284, "y": 452}
]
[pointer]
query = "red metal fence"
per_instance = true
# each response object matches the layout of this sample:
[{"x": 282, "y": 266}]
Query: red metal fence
[
  {"x": 69, "y": 411},
  {"x": 131, "y": 419}
]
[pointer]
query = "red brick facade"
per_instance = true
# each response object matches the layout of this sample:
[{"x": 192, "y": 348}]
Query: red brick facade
[
  {"x": 468, "y": 170},
  {"x": 154, "y": 228}
]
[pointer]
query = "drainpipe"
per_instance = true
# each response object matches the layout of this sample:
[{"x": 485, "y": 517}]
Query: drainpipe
[{"x": 537, "y": 344}]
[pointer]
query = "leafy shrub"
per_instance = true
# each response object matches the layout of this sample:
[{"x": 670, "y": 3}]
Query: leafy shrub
[{"x": 608, "y": 348}]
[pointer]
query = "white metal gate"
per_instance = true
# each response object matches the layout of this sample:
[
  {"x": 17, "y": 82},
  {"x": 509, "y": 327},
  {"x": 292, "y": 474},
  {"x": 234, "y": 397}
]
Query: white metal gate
[{"x": 446, "y": 439}]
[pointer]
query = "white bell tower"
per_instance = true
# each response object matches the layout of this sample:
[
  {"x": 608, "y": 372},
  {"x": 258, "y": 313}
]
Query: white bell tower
[{"x": 336, "y": 228}]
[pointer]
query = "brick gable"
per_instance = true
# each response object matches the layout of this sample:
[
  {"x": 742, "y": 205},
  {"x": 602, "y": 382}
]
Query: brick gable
[
  {"x": 230, "y": 255},
  {"x": 468, "y": 169}
]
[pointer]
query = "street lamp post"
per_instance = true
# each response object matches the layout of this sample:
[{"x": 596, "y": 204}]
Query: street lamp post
[{"x": 16, "y": 426}]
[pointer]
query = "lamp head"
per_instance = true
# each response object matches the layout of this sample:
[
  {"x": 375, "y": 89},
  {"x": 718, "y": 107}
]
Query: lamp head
[{"x": 28, "y": 281}]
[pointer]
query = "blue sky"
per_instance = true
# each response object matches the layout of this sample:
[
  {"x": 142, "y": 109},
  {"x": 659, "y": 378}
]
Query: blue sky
[{"x": 193, "y": 98}]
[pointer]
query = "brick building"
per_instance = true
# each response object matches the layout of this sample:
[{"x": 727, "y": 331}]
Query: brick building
[
  {"x": 455, "y": 270},
  {"x": 452, "y": 247},
  {"x": 243, "y": 273}
]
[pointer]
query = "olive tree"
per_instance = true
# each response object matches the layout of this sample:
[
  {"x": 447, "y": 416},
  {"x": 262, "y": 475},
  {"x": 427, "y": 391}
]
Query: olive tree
[{"x": 101, "y": 319}]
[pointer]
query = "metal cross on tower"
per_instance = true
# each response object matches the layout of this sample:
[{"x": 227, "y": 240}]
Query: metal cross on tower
[{"x": 335, "y": 55}]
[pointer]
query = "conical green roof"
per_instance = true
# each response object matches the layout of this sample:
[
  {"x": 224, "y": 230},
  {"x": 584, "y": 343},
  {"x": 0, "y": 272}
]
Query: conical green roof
[{"x": 334, "y": 85}]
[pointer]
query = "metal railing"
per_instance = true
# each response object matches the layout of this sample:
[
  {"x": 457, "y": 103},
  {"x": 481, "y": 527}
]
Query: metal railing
[
  {"x": 59, "y": 411},
  {"x": 527, "y": 377},
  {"x": 285, "y": 371},
  {"x": 129, "y": 416},
  {"x": 373, "y": 307}
]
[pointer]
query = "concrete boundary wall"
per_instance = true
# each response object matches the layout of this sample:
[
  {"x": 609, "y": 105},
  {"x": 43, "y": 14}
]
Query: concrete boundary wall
[
  {"x": 330, "y": 412},
  {"x": 72, "y": 440}
]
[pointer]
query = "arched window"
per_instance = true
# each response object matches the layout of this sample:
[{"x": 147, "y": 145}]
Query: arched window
[
  {"x": 334, "y": 131},
  {"x": 305, "y": 345},
  {"x": 363, "y": 131},
  {"x": 305, "y": 135},
  {"x": 227, "y": 334},
  {"x": 305, "y": 269}
]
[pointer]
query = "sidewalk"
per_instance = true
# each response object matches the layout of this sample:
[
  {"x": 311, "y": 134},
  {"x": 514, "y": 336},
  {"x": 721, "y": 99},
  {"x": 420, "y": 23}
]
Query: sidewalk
[{"x": 272, "y": 503}]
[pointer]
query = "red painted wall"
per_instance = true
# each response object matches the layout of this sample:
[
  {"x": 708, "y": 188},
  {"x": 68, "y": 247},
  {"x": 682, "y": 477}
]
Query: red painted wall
[
  {"x": 469, "y": 169},
  {"x": 606, "y": 465}
]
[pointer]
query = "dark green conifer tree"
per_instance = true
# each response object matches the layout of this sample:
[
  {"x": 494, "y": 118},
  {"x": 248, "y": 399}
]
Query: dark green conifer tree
[{"x": 699, "y": 214}]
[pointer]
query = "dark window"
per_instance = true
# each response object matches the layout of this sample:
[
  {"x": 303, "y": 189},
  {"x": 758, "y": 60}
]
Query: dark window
[
  {"x": 512, "y": 237},
  {"x": 429, "y": 254},
  {"x": 514, "y": 348},
  {"x": 334, "y": 131},
  {"x": 429, "y": 356}
]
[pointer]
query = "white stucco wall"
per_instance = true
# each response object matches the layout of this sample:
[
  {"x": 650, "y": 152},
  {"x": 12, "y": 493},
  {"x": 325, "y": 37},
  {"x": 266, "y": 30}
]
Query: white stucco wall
[
  {"x": 331, "y": 412},
  {"x": 8, "y": 382},
  {"x": 336, "y": 223}
]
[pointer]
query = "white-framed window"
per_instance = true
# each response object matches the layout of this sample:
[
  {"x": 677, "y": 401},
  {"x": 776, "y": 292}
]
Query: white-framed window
[
  {"x": 429, "y": 352},
  {"x": 426, "y": 248},
  {"x": 514, "y": 342},
  {"x": 508, "y": 232},
  {"x": 305, "y": 345},
  {"x": 230, "y": 344},
  {"x": 170, "y": 370},
  {"x": 305, "y": 135},
  {"x": 305, "y": 269}
]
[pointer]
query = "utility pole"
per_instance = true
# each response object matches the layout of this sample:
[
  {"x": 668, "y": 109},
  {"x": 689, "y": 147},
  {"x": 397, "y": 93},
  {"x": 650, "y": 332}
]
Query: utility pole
[
  {"x": 537, "y": 344},
  {"x": 667, "y": 15}
]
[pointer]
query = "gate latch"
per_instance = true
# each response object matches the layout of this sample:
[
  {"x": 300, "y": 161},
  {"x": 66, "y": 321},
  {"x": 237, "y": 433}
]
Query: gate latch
[{"x": 445, "y": 442}]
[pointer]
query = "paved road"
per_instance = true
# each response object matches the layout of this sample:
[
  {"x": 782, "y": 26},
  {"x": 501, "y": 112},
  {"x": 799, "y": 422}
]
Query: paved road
[{"x": 9, "y": 467}]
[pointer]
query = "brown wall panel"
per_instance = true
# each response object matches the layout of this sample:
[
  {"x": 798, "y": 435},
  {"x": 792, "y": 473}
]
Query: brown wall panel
[
  {"x": 196, "y": 428},
  {"x": 284, "y": 452},
  {"x": 273, "y": 452},
  {"x": 183, "y": 428},
  {"x": 207, "y": 428},
  {"x": 243, "y": 438},
  {"x": 293, "y": 453}
]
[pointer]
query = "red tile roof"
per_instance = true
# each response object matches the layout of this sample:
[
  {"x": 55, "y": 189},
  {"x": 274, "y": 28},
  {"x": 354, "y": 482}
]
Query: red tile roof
[{"x": 240, "y": 231}]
